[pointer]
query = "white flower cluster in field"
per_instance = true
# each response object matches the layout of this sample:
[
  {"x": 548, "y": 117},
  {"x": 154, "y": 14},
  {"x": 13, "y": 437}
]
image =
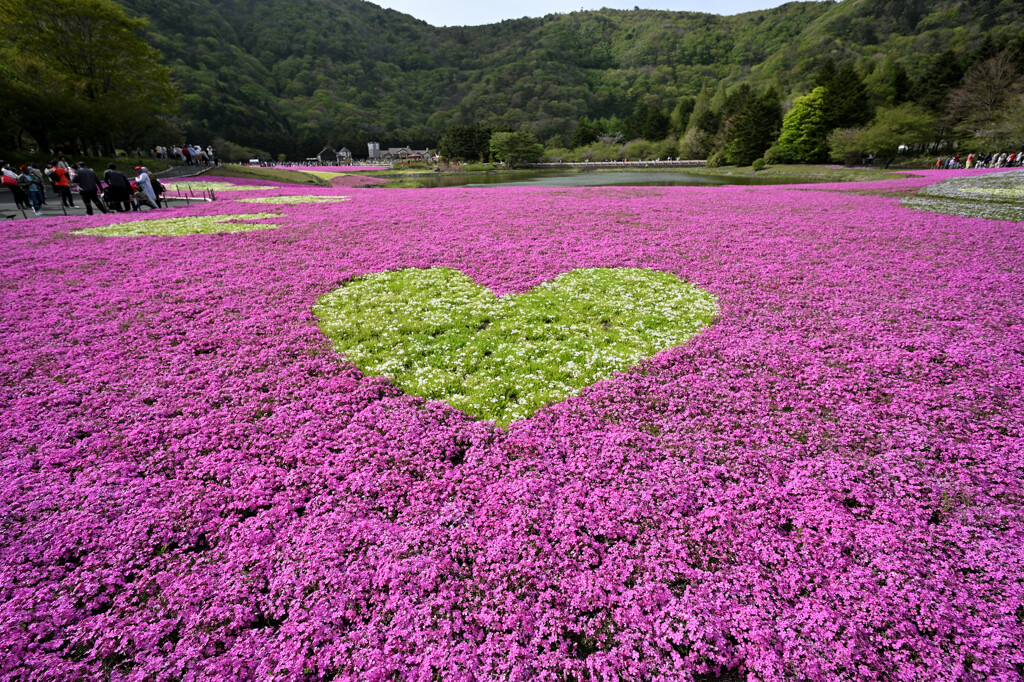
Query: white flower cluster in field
[
  {"x": 200, "y": 185},
  {"x": 296, "y": 199},
  {"x": 441, "y": 336},
  {"x": 993, "y": 210},
  {"x": 996, "y": 196},
  {"x": 174, "y": 227},
  {"x": 1003, "y": 186}
]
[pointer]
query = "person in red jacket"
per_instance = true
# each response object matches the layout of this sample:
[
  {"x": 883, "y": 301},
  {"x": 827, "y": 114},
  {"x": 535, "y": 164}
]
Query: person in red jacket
[{"x": 62, "y": 183}]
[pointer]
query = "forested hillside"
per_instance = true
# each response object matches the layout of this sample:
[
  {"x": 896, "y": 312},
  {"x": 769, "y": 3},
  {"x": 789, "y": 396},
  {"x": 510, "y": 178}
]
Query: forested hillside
[{"x": 287, "y": 76}]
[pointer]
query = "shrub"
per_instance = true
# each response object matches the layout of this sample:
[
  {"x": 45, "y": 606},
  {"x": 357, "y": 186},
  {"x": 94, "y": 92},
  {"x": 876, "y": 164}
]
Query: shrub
[
  {"x": 717, "y": 159},
  {"x": 759, "y": 164},
  {"x": 638, "y": 150}
]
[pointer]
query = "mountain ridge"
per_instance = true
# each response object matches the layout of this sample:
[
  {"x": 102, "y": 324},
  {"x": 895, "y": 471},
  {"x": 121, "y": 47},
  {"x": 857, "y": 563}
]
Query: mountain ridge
[{"x": 287, "y": 76}]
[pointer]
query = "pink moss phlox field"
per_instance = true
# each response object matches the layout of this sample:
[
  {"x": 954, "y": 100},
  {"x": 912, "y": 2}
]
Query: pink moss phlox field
[{"x": 823, "y": 485}]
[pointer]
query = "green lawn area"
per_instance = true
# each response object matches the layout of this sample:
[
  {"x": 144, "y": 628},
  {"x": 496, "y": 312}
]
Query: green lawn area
[
  {"x": 270, "y": 174},
  {"x": 803, "y": 173}
]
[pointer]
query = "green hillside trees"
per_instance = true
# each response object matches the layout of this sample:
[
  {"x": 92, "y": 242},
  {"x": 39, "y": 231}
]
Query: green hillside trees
[
  {"x": 904, "y": 126},
  {"x": 77, "y": 73},
  {"x": 804, "y": 131},
  {"x": 517, "y": 148}
]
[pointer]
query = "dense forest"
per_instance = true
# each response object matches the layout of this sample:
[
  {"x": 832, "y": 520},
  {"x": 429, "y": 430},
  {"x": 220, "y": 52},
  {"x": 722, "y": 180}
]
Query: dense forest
[{"x": 287, "y": 76}]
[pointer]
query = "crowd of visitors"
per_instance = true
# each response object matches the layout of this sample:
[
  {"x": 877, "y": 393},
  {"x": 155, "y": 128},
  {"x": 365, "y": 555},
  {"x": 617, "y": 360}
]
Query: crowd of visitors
[
  {"x": 1004, "y": 160},
  {"x": 190, "y": 155},
  {"x": 115, "y": 192}
]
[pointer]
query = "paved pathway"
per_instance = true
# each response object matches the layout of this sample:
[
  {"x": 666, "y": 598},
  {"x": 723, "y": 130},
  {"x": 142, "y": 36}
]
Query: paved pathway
[
  {"x": 183, "y": 172},
  {"x": 52, "y": 207}
]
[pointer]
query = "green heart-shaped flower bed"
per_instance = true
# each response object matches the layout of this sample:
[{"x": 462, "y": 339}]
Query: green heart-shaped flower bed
[{"x": 441, "y": 336}]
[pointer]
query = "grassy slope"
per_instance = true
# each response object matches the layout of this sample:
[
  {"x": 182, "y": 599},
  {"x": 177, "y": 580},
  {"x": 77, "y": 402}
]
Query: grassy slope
[{"x": 269, "y": 174}]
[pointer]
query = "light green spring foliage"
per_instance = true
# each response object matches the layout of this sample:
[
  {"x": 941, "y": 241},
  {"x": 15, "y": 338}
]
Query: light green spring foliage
[
  {"x": 439, "y": 335},
  {"x": 298, "y": 199},
  {"x": 174, "y": 227},
  {"x": 997, "y": 196},
  {"x": 186, "y": 186}
]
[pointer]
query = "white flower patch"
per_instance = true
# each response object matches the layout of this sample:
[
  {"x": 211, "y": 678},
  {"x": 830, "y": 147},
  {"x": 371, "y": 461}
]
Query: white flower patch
[
  {"x": 296, "y": 199},
  {"x": 175, "y": 227},
  {"x": 996, "y": 196},
  {"x": 186, "y": 186}
]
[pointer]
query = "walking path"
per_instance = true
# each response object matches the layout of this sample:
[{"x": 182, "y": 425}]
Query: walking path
[{"x": 52, "y": 207}]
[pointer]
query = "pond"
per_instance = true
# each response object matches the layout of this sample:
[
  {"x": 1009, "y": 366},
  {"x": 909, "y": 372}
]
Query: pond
[{"x": 594, "y": 178}]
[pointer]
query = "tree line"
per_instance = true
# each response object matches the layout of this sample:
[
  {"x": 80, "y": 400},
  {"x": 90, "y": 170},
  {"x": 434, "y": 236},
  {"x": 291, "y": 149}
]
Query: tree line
[
  {"x": 850, "y": 114},
  {"x": 587, "y": 85}
]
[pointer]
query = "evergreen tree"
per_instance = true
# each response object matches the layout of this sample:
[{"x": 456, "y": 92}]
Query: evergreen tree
[
  {"x": 985, "y": 51},
  {"x": 751, "y": 132},
  {"x": 469, "y": 142},
  {"x": 700, "y": 106},
  {"x": 708, "y": 122},
  {"x": 943, "y": 73},
  {"x": 846, "y": 99},
  {"x": 736, "y": 101},
  {"x": 586, "y": 131},
  {"x": 899, "y": 81},
  {"x": 655, "y": 125},
  {"x": 680, "y": 116},
  {"x": 718, "y": 101},
  {"x": 825, "y": 74},
  {"x": 648, "y": 122},
  {"x": 699, "y": 140}
]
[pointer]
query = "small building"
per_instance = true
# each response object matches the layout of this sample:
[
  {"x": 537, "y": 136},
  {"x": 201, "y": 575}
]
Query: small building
[
  {"x": 396, "y": 154},
  {"x": 344, "y": 155},
  {"x": 327, "y": 156},
  {"x": 393, "y": 154}
]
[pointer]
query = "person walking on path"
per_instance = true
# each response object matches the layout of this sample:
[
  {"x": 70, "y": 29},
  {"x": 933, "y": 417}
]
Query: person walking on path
[
  {"x": 42, "y": 180},
  {"x": 32, "y": 186},
  {"x": 119, "y": 190},
  {"x": 89, "y": 188},
  {"x": 10, "y": 180},
  {"x": 62, "y": 183}
]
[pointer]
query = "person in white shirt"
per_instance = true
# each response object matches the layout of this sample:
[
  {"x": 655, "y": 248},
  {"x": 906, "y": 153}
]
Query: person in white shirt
[{"x": 144, "y": 183}]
